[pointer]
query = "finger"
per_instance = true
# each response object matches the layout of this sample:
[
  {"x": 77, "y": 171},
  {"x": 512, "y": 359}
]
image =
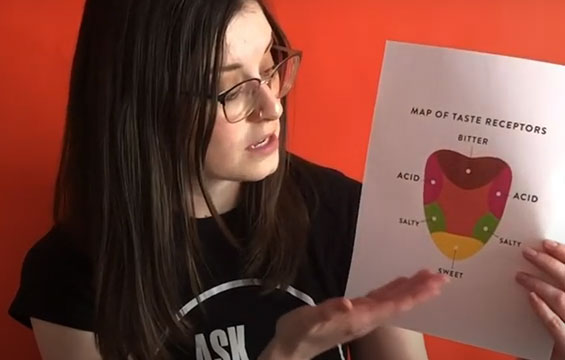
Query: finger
[
  {"x": 552, "y": 322},
  {"x": 364, "y": 316},
  {"x": 548, "y": 264},
  {"x": 377, "y": 293},
  {"x": 552, "y": 296},
  {"x": 425, "y": 287},
  {"x": 369, "y": 306},
  {"x": 555, "y": 249},
  {"x": 340, "y": 313},
  {"x": 426, "y": 292},
  {"x": 402, "y": 295},
  {"x": 419, "y": 288},
  {"x": 423, "y": 282},
  {"x": 399, "y": 287},
  {"x": 331, "y": 308},
  {"x": 368, "y": 312},
  {"x": 417, "y": 295},
  {"x": 308, "y": 319},
  {"x": 431, "y": 277},
  {"x": 437, "y": 280}
]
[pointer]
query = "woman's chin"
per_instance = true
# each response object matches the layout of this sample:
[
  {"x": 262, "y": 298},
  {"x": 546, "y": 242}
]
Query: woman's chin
[{"x": 262, "y": 170}]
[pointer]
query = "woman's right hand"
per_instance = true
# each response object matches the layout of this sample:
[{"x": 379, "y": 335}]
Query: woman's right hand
[{"x": 311, "y": 330}]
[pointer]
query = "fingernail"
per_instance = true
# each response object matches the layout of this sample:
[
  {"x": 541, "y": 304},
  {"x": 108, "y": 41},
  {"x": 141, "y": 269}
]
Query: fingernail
[
  {"x": 530, "y": 252},
  {"x": 550, "y": 244}
]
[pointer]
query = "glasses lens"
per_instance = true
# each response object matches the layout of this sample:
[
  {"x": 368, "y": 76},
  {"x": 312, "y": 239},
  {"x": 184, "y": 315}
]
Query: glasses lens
[
  {"x": 239, "y": 102},
  {"x": 286, "y": 75},
  {"x": 283, "y": 79}
]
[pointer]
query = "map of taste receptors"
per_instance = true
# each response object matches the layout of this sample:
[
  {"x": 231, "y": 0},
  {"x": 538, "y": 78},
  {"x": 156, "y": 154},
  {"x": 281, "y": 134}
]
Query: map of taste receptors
[{"x": 464, "y": 200}]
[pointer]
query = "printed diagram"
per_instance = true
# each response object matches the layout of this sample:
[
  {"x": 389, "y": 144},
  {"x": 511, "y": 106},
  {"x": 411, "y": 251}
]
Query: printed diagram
[{"x": 464, "y": 200}]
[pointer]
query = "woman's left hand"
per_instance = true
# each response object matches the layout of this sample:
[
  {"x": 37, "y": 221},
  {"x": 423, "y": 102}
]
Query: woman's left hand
[{"x": 548, "y": 300}]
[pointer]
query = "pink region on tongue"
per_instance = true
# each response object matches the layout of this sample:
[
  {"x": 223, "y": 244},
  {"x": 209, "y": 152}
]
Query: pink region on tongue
[
  {"x": 433, "y": 180},
  {"x": 499, "y": 191}
]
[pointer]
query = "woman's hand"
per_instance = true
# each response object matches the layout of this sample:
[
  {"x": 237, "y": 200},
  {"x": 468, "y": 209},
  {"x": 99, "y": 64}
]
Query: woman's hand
[
  {"x": 310, "y": 330},
  {"x": 548, "y": 300}
]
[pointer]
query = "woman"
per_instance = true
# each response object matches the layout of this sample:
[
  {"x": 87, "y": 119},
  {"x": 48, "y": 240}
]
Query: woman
[{"x": 183, "y": 229}]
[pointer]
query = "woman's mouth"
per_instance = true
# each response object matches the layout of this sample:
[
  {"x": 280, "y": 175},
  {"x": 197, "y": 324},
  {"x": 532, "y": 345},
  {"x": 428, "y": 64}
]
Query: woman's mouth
[
  {"x": 261, "y": 143},
  {"x": 266, "y": 145}
]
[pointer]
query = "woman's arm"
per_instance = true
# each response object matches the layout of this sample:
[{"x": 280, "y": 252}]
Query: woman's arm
[
  {"x": 56, "y": 342},
  {"x": 308, "y": 331},
  {"x": 390, "y": 343}
]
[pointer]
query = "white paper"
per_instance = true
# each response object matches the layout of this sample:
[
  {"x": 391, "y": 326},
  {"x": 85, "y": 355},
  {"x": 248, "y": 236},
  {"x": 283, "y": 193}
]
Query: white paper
[{"x": 473, "y": 226}]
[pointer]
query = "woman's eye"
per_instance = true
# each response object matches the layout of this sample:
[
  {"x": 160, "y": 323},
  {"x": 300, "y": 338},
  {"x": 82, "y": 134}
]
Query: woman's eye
[
  {"x": 234, "y": 94},
  {"x": 267, "y": 64},
  {"x": 268, "y": 71}
]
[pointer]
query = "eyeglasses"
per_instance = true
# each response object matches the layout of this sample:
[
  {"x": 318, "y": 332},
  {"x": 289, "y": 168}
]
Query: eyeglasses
[{"x": 241, "y": 100}]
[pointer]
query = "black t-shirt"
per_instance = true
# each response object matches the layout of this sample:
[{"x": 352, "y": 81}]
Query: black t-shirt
[{"x": 56, "y": 280}]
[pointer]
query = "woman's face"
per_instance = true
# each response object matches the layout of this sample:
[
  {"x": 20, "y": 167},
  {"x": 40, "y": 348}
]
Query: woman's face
[{"x": 246, "y": 150}]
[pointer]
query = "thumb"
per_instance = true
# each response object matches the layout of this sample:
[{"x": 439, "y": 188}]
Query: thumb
[{"x": 331, "y": 308}]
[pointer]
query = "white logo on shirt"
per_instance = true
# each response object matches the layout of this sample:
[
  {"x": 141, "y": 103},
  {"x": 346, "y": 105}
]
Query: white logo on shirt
[
  {"x": 234, "y": 337},
  {"x": 218, "y": 340}
]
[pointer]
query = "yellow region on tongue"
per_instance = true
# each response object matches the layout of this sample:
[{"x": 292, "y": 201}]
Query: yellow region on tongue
[{"x": 456, "y": 246}]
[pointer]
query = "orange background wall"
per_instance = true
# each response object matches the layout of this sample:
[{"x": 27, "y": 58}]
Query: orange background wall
[{"x": 331, "y": 114}]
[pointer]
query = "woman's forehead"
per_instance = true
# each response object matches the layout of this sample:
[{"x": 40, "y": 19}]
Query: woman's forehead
[{"x": 247, "y": 36}]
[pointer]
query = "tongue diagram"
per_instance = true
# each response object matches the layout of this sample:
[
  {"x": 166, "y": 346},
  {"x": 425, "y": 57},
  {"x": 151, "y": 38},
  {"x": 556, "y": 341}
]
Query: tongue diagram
[{"x": 464, "y": 200}]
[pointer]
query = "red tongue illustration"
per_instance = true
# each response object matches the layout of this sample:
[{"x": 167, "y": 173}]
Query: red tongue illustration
[{"x": 464, "y": 200}]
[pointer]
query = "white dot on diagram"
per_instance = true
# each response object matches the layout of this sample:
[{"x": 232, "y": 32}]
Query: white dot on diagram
[
  {"x": 485, "y": 229},
  {"x": 468, "y": 171},
  {"x": 498, "y": 194},
  {"x": 433, "y": 182}
]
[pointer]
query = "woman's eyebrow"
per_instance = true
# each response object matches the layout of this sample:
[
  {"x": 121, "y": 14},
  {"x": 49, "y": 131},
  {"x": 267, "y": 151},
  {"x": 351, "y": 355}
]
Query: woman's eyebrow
[{"x": 235, "y": 66}]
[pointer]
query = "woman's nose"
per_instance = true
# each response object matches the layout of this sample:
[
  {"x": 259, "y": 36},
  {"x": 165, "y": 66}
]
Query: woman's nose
[{"x": 269, "y": 107}]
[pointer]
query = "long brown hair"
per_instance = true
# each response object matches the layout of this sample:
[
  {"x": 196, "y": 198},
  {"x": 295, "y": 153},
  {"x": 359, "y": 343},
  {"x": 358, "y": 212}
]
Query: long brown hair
[{"x": 137, "y": 130}]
